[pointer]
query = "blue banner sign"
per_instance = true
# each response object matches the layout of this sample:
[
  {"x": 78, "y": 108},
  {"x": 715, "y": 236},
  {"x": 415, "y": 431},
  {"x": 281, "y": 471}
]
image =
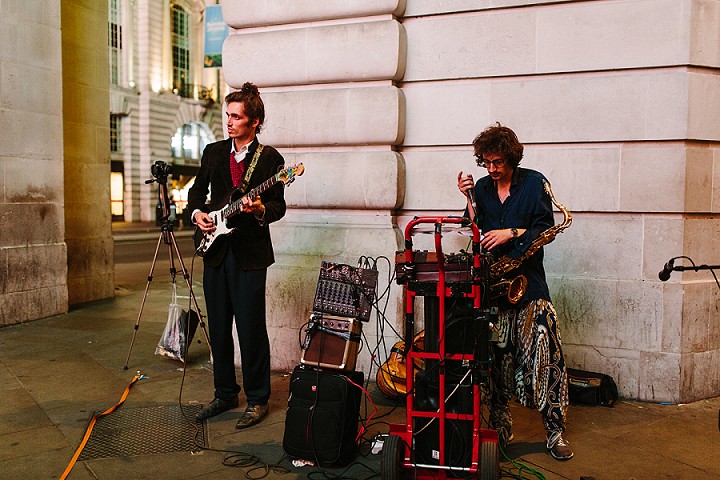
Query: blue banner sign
[{"x": 215, "y": 32}]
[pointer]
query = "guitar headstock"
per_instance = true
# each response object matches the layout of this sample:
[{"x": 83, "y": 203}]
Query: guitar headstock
[{"x": 288, "y": 174}]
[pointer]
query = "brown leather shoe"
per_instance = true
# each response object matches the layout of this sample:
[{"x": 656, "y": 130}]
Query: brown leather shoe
[
  {"x": 253, "y": 415},
  {"x": 558, "y": 447},
  {"x": 216, "y": 407}
]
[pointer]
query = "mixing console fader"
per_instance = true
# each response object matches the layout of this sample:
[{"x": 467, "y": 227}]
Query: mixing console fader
[{"x": 345, "y": 290}]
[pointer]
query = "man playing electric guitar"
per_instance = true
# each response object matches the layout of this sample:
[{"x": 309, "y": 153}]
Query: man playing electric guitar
[
  {"x": 222, "y": 217},
  {"x": 235, "y": 269}
]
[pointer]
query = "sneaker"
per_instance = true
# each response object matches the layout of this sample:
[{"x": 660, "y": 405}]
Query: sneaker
[
  {"x": 216, "y": 407},
  {"x": 253, "y": 415},
  {"x": 559, "y": 447},
  {"x": 504, "y": 439}
]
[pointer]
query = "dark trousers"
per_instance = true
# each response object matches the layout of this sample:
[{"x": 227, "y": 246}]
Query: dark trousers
[{"x": 230, "y": 292}]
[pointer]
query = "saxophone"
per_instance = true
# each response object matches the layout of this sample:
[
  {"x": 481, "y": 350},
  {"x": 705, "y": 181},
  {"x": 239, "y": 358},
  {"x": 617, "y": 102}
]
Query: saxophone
[{"x": 514, "y": 289}]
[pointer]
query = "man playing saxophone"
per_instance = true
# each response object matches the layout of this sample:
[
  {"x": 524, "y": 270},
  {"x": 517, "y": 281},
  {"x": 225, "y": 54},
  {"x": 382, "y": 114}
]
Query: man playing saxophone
[{"x": 512, "y": 209}]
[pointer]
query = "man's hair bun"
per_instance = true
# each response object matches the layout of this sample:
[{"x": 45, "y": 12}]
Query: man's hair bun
[
  {"x": 249, "y": 96},
  {"x": 249, "y": 88}
]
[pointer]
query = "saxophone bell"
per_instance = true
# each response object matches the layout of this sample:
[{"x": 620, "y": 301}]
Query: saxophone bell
[{"x": 511, "y": 290}]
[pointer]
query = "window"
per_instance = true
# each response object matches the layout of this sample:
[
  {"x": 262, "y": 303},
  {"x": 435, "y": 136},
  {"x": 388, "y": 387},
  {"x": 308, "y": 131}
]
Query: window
[
  {"x": 189, "y": 141},
  {"x": 114, "y": 40},
  {"x": 187, "y": 146},
  {"x": 117, "y": 189},
  {"x": 115, "y": 145},
  {"x": 180, "y": 30}
]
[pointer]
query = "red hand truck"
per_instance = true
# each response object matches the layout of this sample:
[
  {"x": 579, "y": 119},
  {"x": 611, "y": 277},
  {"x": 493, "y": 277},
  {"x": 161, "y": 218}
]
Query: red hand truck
[{"x": 442, "y": 437}]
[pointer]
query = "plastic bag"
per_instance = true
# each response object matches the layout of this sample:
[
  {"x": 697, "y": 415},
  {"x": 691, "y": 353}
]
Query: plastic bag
[{"x": 173, "y": 343}]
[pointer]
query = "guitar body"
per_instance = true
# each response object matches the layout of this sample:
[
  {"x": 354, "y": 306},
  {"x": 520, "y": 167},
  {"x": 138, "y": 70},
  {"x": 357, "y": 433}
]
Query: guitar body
[
  {"x": 392, "y": 376},
  {"x": 221, "y": 217},
  {"x": 203, "y": 241}
]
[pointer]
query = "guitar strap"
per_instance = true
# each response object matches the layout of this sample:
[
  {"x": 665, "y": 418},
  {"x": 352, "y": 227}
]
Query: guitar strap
[{"x": 251, "y": 167}]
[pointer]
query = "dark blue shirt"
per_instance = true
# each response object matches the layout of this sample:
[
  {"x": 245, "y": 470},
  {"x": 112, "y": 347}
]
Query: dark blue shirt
[{"x": 527, "y": 207}]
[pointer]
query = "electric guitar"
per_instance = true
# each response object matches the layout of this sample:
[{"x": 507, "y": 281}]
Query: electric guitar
[{"x": 205, "y": 240}]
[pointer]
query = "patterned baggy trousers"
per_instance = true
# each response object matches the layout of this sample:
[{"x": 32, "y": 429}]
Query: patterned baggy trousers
[{"x": 528, "y": 363}]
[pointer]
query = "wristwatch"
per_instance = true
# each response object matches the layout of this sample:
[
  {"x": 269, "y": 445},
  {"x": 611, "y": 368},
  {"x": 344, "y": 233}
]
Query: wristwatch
[{"x": 514, "y": 232}]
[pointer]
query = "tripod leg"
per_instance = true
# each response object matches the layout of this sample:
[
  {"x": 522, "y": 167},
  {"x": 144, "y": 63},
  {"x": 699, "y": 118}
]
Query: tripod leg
[
  {"x": 186, "y": 276},
  {"x": 142, "y": 303}
]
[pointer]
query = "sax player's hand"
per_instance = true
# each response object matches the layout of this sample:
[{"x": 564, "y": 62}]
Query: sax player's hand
[
  {"x": 493, "y": 238},
  {"x": 465, "y": 183}
]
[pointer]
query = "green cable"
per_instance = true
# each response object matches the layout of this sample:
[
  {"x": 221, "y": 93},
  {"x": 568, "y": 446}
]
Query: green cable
[{"x": 521, "y": 467}]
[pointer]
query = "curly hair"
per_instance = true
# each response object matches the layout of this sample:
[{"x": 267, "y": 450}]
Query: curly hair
[
  {"x": 249, "y": 96},
  {"x": 499, "y": 140}
]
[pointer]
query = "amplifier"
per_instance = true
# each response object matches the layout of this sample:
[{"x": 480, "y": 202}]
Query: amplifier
[
  {"x": 331, "y": 342},
  {"x": 345, "y": 291}
]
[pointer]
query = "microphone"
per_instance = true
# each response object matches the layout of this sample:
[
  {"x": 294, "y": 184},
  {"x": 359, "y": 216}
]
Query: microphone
[
  {"x": 664, "y": 274},
  {"x": 470, "y": 194}
]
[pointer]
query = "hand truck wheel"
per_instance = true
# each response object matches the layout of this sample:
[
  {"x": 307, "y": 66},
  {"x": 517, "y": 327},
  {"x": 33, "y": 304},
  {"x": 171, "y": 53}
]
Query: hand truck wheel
[
  {"x": 489, "y": 461},
  {"x": 391, "y": 458}
]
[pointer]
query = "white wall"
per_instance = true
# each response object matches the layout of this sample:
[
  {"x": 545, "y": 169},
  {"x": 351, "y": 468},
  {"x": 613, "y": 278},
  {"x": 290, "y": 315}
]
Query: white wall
[{"x": 616, "y": 101}]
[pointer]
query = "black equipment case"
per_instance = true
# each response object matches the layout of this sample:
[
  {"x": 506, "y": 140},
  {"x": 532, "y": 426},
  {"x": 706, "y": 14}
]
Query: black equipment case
[{"x": 322, "y": 416}]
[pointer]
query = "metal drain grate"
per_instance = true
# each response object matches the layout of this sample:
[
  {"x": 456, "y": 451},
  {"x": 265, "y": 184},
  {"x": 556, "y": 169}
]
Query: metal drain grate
[{"x": 141, "y": 431}]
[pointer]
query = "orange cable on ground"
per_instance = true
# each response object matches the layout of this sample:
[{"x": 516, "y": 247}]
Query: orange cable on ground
[{"x": 92, "y": 424}]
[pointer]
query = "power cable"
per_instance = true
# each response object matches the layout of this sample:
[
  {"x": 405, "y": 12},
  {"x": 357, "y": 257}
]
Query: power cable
[{"x": 94, "y": 419}]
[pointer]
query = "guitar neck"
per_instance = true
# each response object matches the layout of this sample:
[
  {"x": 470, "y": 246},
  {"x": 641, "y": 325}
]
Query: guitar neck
[{"x": 234, "y": 207}]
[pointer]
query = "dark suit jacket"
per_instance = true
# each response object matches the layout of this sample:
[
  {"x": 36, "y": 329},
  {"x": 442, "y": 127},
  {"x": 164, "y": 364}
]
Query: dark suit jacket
[{"x": 250, "y": 242}]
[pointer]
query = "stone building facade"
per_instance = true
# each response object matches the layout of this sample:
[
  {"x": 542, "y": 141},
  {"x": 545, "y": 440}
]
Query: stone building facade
[
  {"x": 158, "y": 86},
  {"x": 616, "y": 102}
]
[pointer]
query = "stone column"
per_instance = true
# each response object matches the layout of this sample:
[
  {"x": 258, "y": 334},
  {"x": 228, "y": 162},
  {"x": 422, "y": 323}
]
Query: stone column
[
  {"x": 33, "y": 254},
  {"x": 86, "y": 136}
]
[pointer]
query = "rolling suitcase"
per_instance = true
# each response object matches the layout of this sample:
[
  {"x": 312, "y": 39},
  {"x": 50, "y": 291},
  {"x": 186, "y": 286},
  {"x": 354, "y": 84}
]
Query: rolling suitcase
[{"x": 322, "y": 416}]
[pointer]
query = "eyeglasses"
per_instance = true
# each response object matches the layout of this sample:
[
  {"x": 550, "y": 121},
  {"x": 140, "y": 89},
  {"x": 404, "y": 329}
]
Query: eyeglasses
[{"x": 481, "y": 162}]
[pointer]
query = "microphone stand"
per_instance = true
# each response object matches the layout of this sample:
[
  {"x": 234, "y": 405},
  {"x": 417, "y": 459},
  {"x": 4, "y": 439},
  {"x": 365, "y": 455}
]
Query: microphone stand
[
  {"x": 670, "y": 267},
  {"x": 680, "y": 268}
]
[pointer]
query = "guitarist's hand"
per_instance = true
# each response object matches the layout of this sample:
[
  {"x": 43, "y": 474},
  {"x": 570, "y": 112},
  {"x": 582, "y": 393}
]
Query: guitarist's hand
[
  {"x": 254, "y": 206},
  {"x": 204, "y": 222}
]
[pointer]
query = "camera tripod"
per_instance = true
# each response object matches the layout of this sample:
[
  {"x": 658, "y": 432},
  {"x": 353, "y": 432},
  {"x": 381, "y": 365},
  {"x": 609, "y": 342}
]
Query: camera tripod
[{"x": 168, "y": 237}]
